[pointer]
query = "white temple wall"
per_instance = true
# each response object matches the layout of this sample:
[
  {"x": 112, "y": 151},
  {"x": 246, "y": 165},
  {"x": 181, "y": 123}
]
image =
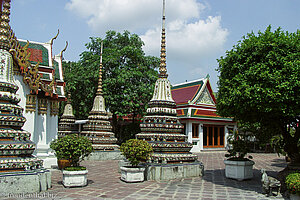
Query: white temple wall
[
  {"x": 43, "y": 127},
  {"x": 198, "y": 142},
  {"x": 30, "y": 116}
]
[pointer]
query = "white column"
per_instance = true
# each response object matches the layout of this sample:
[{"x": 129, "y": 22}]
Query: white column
[
  {"x": 201, "y": 136},
  {"x": 226, "y": 136},
  {"x": 40, "y": 132},
  {"x": 189, "y": 130}
]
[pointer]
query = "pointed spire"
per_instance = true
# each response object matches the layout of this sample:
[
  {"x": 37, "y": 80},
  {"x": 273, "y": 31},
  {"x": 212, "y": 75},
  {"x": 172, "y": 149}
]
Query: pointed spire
[
  {"x": 69, "y": 98},
  {"x": 99, "y": 90},
  {"x": 4, "y": 26},
  {"x": 162, "y": 66}
]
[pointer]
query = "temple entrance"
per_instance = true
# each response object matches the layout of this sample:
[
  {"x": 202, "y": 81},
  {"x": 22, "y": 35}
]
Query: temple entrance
[{"x": 213, "y": 136}]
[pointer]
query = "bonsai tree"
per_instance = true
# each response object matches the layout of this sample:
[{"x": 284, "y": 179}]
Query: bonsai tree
[
  {"x": 240, "y": 147},
  {"x": 72, "y": 147},
  {"x": 136, "y": 151}
]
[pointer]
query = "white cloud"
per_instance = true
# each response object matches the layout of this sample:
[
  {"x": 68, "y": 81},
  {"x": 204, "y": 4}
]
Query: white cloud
[
  {"x": 188, "y": 40},
  {"x": 102, "y": 15},
  {"x": 191, "y": 40}
]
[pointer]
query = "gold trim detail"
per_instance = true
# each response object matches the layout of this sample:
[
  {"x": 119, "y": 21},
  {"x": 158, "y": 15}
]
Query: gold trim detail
[
  {"x": 30, "y": 103},
  {"x": 54, "y": 107},
  {"x": 42, "y": 106}
]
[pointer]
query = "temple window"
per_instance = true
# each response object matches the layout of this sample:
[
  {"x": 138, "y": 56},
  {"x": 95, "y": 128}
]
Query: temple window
[{"x": 195, "y": 130}]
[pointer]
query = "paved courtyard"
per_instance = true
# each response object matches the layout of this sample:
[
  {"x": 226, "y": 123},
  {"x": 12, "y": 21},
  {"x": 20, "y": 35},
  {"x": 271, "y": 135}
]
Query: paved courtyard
[{"x": 104, "y": 182}]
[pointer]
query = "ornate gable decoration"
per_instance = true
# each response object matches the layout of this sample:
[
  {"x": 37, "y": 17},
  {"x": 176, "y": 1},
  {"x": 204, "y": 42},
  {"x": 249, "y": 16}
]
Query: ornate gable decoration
[
  {"x": 28, "y": 58},
  {"x": 205, "y": 98}
]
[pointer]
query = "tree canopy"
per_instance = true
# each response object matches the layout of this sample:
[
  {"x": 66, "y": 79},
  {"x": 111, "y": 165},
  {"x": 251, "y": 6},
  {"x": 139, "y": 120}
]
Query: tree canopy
[
  {"x": 128, "y": 75},
  {"x": 259, "y": 83}
]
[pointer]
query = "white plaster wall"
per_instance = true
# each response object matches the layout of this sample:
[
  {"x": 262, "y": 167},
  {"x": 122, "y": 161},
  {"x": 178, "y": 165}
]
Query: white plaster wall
[
  {"x": 201, "y": 137},
  {"x": 197, "y": 147},
  {"x": 189, "y": 131},
  {"x": 22, "y": 92},
  {"x": 43, "y": 128},
  {"x": 40, "y": 130}
]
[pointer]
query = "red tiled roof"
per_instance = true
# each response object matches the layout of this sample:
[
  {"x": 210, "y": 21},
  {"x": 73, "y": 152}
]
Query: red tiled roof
[{"x": 183, "y": 95}]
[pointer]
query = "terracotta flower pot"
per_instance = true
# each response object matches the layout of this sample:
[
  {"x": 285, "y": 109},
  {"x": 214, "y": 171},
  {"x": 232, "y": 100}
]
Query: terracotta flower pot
[{"x": 63, "y": 163}]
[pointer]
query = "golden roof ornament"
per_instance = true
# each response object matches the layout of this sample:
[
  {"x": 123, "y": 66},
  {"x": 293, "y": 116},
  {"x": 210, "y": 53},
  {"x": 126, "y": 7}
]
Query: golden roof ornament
[
  {"x": 54, "y": 38},
  {"x": 61, "y": 53}
]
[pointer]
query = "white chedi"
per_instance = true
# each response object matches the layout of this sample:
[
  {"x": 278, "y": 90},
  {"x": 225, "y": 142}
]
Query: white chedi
[{"x": 162, "y": 90}]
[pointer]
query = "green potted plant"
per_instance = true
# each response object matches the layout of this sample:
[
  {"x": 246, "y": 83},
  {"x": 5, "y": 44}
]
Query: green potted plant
[
  {"x": 73, "y": 148},
  {"x": 62, "y": 159},
  {"x": 238, "y": 165},
  {"x": 135, "y": 151},
  {"x": 293, "y": 185}
]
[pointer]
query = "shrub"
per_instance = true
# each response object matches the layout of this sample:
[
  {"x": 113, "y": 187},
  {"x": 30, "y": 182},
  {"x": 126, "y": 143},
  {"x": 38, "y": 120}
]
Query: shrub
[
  {"x": 72, "y": 147},
  {"x": 240, "y": 147},
  {"x": 136, "y": 151},
  {"x": 293, "y": 183},
  {"x": 75, "y": 168}
]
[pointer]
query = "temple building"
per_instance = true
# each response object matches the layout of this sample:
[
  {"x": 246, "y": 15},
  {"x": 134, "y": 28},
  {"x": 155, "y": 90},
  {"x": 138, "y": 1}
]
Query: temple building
[
  {"x": 41, "y": 89},
  {"x": 98, "y": 128},
  {"x": 162, "y": 129},
  {"x": 196, "y": 109},
  {"x": 20, "y": 171}
]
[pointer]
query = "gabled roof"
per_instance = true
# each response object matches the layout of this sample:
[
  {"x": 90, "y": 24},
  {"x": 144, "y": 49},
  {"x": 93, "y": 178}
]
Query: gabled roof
[
  {"x": 195, "y": 99},
  {"x": 183, "y": 93},
  {"x": 193, "y": 92},
  {"x": 49, "y": 68}
]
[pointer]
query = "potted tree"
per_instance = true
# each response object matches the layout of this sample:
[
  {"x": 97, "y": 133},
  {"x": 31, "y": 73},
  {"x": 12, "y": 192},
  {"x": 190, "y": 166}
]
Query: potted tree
[
  {"x": 62, "y": 159},
  {"x": 237, "y": 165},
  {"x": 293, "y": 185},
  {"x": 135, "y": 151},
  {"x": 74, "y": 148}
]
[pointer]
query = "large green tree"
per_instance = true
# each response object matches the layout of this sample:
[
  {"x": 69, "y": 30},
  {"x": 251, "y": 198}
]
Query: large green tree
[
  {"x": 259, "y": 83},
  {"x": 128, "y": 76}
]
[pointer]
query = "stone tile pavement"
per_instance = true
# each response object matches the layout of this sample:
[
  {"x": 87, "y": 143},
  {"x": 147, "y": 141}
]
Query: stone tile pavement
[{"x": 104, "y": 182}]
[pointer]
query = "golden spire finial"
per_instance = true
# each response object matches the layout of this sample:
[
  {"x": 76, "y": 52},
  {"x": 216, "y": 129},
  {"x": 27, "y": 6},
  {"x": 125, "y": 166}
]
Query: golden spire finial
[
  {"x": 162, "y": 66},
  {"x": 4, "y": 26},
  {"x": 99, "y": 89}
]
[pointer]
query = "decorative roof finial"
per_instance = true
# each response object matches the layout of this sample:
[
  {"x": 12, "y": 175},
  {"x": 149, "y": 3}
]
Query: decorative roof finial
[
  {"x": 99, "y": 90},
  {"x": 4, "y": 26},
  {"x": 51, "y": 41},
  {"x": 61, "y": 53},
  {"x": 162, "y": 66}
]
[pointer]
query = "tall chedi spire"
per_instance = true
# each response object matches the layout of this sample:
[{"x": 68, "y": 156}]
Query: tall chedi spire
[
  {"x": 98, "y": 128},
  {"x": 16, "y": 149},
  {"x": 161, "y": 127}
]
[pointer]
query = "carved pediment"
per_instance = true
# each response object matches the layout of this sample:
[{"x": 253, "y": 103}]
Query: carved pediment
[{"x": 205, "y": 98}]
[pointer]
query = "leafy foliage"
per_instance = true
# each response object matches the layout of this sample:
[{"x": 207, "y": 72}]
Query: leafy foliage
[
  {"x": 72, "y": 147},
  {"x": 79, "y": 168},
  {"x": 128, "y": 75},
  {"x": 259, "y": 83},
  {"x": 293, "y": 183},
  {"x": 277, "y": 143},
  {"x": 240, "y": 147},
  {"x": 136, "y": 151}
]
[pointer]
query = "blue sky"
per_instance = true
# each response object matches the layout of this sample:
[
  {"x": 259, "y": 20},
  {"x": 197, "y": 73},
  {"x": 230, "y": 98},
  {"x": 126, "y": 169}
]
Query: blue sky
[{"x": 198, "y": 31}]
